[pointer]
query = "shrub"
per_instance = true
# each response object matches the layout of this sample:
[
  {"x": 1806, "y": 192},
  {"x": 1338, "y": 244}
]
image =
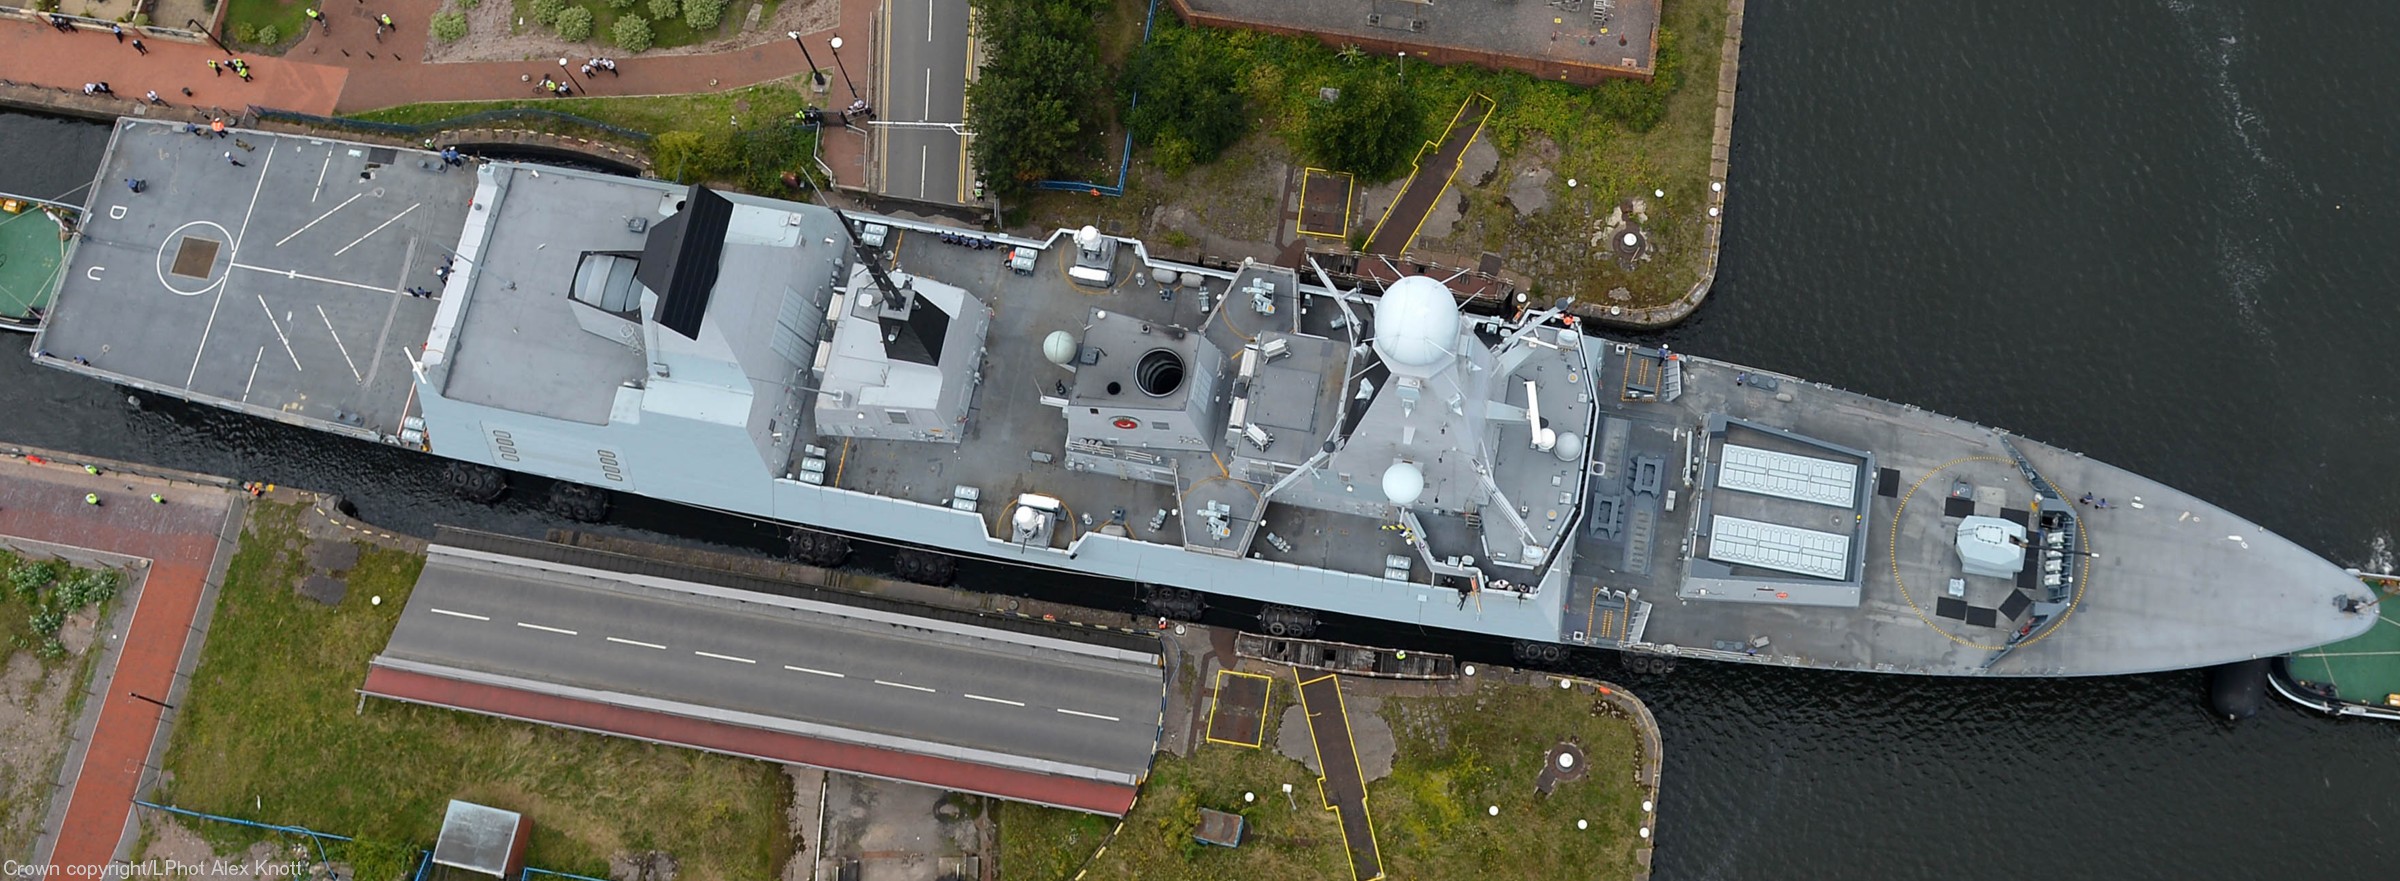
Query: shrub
[
  {"x": 632, "y": 33},
  {"x": 469, "y": 4},
  {"x": 1039, "y": 97},
  {"x": 1190, "y": 103},
  {"x": 621, "y": 4},
  {"x": 269, "y": 35},
  {"x": 575, "y": 23},
  {"x": 245, "y": 32},
  {"x": 703, "y": 14},
  {"x": 662, "y": 9},
  {"x": 1370, "y": 130},
  {"x": 449, "y": 27},
  {"x": 545, "y": 12}
]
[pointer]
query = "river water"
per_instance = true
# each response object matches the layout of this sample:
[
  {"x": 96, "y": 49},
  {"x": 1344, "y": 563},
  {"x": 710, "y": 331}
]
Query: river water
[{"x": 2161, "y": 233}]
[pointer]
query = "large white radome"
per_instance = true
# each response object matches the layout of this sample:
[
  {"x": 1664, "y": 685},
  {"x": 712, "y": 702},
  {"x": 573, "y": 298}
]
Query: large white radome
[{"x": 1416, "y": 324}]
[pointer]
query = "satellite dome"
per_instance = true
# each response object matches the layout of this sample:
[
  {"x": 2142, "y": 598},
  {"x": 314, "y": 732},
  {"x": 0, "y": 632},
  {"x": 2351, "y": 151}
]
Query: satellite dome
[
  {"x": 1569, "y": 448},
  {"x": 1059, "y": 347},
  {"x": 1403, "y": 483},
  {"x": 1416, "y": 324},
  {"x": 1087, "y": 237},
  {"x": 1027, "y": 519}
]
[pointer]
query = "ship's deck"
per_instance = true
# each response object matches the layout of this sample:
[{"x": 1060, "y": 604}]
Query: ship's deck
[
  {"x": 2178, "y": 583},
  {"x": 2364, "y": 669},
  {"x": 274, "y": 287},
  {"x": 1009, "y": 423}
]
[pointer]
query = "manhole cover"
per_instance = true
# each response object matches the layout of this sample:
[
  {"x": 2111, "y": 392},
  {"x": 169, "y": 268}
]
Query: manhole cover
[{"x": 194, "y": 255}]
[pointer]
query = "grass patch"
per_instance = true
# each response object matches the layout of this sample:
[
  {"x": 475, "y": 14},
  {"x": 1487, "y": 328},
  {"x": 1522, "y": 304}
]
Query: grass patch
[
  {"x": 666, "y": 33},
  {"x": 1457, "y": 755},
  {"x": 271, "y": 732},
  {"x": 289, "y": 18},
  {"x": 36, "y": 598}
]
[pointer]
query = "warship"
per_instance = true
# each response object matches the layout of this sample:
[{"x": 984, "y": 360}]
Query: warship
[{"x": 1410, "y": 449}]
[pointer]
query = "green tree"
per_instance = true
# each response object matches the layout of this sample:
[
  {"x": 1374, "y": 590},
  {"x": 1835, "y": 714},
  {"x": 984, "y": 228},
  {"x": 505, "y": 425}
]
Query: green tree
[
  {"x": 703, "y": 14},
  {"x": 1187, "y": 101},
  {"x": 1370, "y": 130},
  {"x": 449, "y": 27},
  {"x": 1037, "y": 98},
  {"x": 269, "y": 35},
  {"x": 662, "y": 9},
  {"x": 621, "y": 4},
  {"x": 631, "y": 33},
  {"x": 575, "y": 24},
  {"x": 545, "y": 12}
]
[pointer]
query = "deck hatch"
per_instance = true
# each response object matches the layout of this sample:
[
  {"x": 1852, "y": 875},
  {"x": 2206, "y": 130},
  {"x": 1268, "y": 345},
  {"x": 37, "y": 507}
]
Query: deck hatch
[{"x": 194, "y": 255}]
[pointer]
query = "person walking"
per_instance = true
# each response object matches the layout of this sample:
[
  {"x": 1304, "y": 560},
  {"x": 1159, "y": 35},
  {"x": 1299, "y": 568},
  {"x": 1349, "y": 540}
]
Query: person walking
[
  {"x": 215, "y": 69},
  {"x": 236, "y": 162},
  {"x": 218, "y": 126},
  {"x": 92, "y": 499},
  {"x": 154, "y": 98},
  {"x": 93, "y": 470},
  {"x": 385, "y": 19},
  {"x": 242, "y": 68},
  {"x": 118, "y": 31},
  {"x": 318, "y": 18},
  {"x": 160, "y": 499},
  {"x": 138, "y": 47},
  {"x": 135, "y": 184}
]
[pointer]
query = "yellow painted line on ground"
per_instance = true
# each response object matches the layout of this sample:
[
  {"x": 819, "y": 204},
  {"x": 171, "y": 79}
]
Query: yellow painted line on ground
[{"x": 1219, "y": 701}]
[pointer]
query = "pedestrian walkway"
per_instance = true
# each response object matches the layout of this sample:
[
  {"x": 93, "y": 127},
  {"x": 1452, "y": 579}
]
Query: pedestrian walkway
[
  {"x": 345, "y": 69},
  {"x": 1417, "y": 199},
  {"x": 1344, "y": 786},
  {"x": 181, "y": 540}
]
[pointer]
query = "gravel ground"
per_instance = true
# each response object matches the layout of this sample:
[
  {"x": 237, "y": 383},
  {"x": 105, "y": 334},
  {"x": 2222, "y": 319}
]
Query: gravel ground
[
  {"x": 33, "y": 731},
  {"x": 488, "y": 38}
]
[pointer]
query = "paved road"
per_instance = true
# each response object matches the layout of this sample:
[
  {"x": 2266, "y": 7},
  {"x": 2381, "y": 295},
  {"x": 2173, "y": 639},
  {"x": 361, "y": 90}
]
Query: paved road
[
  {"x": 924, "y": 79},
  {"x": 814, "y": 667}
]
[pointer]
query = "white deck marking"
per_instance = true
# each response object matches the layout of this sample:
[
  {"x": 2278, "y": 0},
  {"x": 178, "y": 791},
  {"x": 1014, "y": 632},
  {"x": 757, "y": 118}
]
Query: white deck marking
[
  {"x": 287, "y": 341},
  {"x": 903, "y": 685},
  {"x": 457, "y": 614},
  {"x": 647, "y": 645},
  {"x": 925, "y": 112},
  {"x": 312, "y": 194},
  {"x": 253, "y": 380},
  {"x": 725, "y": 657},
  {"x": 328, "y": 213},
  {"x": 378, "y": 228},
  {"x": 929, "y": 22},
  {"x": 815, "y": 671},
  {"x": 238, "y": 234},
  {"x": 545, "y": 629},
  {"x": 1088, "y": 715},
  {"x": 924, "y": 162},
  {"x": 296, "y": 274},
  {"x": 337, "y": 343},
  {"x": 994, "y": 700}
]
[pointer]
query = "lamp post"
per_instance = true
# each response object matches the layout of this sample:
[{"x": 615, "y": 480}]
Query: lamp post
[
  {"x": 837, "y": 64},
  {"x": 212, "y": 36},
  {"x": 569, "y": 72},
  {"x": 814, "y": 75},
  {"x": 1404, "y": 65}
]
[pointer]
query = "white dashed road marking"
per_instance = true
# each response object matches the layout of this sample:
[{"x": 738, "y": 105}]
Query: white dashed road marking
[
  {"x": 815, "y": 671},
  {"x": 994, "y": 700},
  {"x": 545, "y": 629},
  {"x": 725, "y": 657},
  {"x": 1088, "y": 715},
  {"x": 903, "y": 685},
  {"x": 647, "y": 645},
  {"x": 457, "y": 614}
]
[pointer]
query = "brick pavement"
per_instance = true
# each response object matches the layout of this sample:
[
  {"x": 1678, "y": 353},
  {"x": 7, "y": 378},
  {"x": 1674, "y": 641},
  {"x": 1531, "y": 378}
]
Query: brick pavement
[
  {"x": 180, "y": 539},
  {"x": 349, "y": 71}
]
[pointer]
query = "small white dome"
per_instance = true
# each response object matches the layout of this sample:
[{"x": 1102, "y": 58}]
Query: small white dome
[
  {"x": 1059, "y": 347},
  {"x": 1087, "y": 237},
  {"x": 1027, "y": 519},
  {"x": 1416, "y": 323},
  {"x": 1403, "y": 483}
]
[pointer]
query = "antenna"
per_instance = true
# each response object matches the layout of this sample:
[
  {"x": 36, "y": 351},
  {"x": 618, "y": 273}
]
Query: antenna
[{"x": 893, "y": 297}]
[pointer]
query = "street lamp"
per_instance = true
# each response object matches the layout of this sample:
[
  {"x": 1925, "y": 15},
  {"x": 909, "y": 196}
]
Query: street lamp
[
  {"x": 1404, "y": 64},
  {"x": 570, "y": 74},
  {"x": 837, "y": 64},
  {"x": 211, "y": 35},
  {"x": 814, "y": 75}
]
